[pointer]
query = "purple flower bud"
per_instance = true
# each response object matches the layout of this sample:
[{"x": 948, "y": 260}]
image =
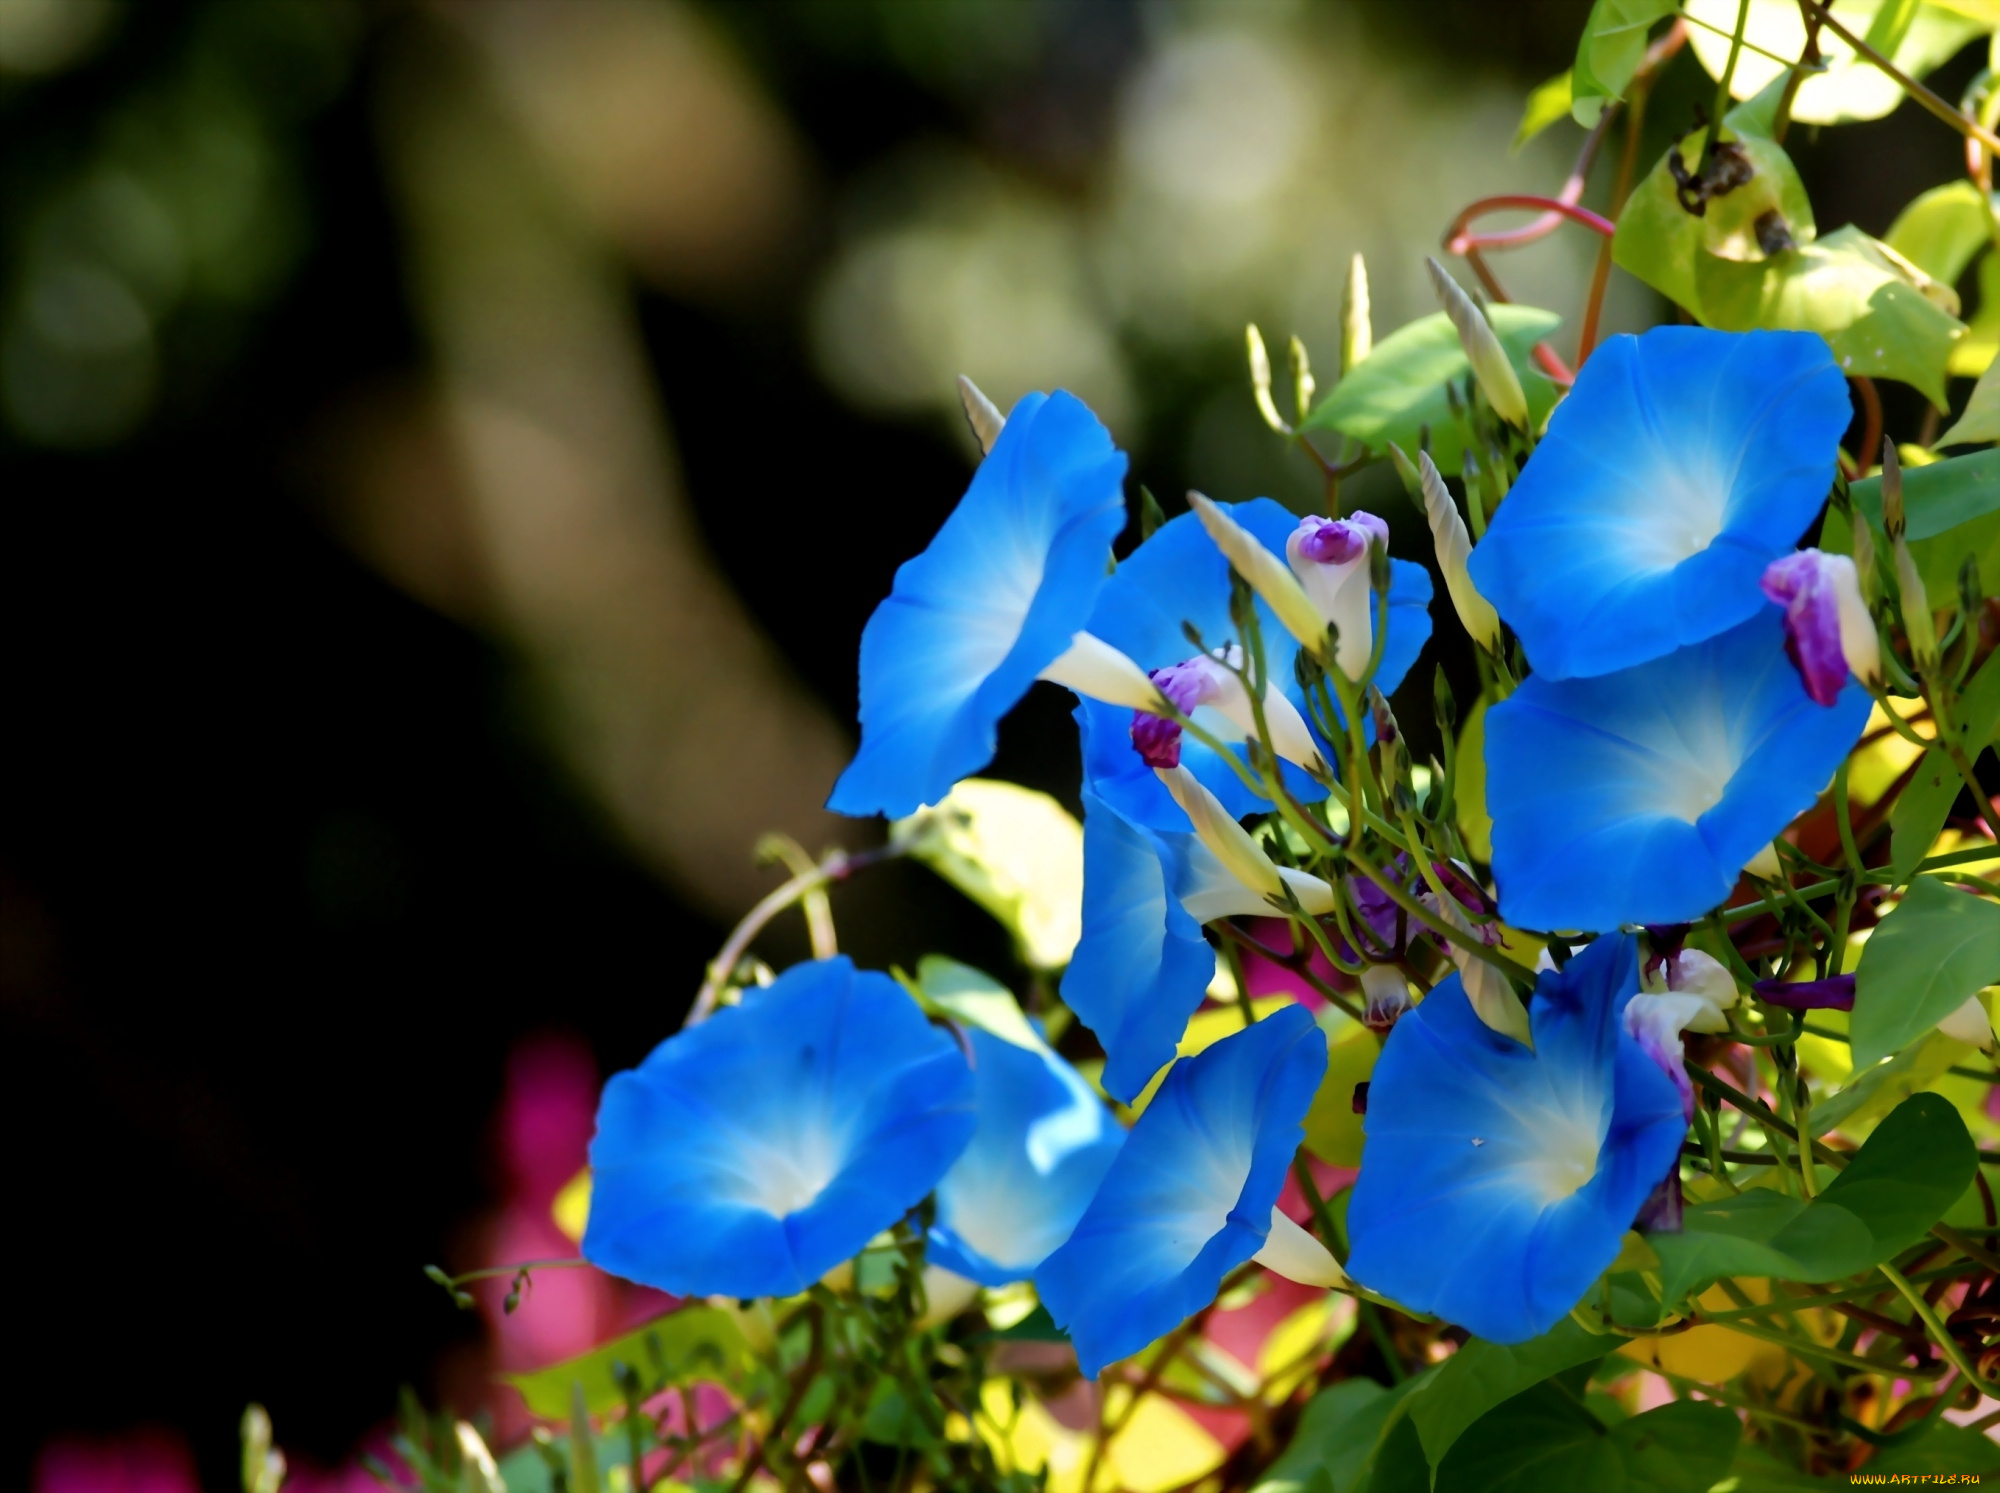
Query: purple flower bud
[
  {"x": 1339, "y": 541},
  {"x": 1828, "y": 631},
  {"x": 1156, "y": 739},
  {"x": 1661, "y": 1212},
  {"x": 1835, "y": 994}
]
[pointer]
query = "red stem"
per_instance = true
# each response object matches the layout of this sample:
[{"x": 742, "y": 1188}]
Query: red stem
[{"x": 1458, "y": 240}]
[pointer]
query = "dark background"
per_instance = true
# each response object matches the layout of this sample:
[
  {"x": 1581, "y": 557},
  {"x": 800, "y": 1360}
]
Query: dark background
[{"x": 287, "y": 864}]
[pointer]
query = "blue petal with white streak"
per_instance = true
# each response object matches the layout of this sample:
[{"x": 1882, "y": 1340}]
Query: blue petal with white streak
[
  {"x": 1638, "y": 797},
  {"x": 1497, "y": 1182},
  {"x": 1179, "y": 576},
  {"x": 751, "y": 1154},
  {"x": 1042, "y": 1145},
  {"x": 1141, "y": 968},
  {"x": 995, "y": 599},
  {"x": 1190, "y": 1196},
  {"x": 1682, "y": 463}
]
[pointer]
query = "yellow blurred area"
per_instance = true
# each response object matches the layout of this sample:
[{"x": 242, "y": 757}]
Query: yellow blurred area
[
  {"x": 571, "y": 1209},
  {"x": 1159, "y": 1447},
  {"x": 1716, "y": 1354},
  {"x": 1886, "y": 755},
  {"x": 1204, "y": 1030}
]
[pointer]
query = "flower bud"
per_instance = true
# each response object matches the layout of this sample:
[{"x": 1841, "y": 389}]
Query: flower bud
[
  {"x": 1292, "y": 1252},
  {"x": 1387, "y": 994},
  {"x": 1864, "y": 560},
  {"x": 1090, "y": 666},
  {"x": 1357, "y": 335},
  {"x": 1692, "y": 973},
  {"x": 1260, "y": 380},
  {"x": 1490, "y": 365},
  {"x": 1970, "y": 1023},
  {"x": 980, "y": 414},
  {"x": 1239, "y": 854},
  {"x": 1892, "y": 491},
  {"x": 1917, "y": 622},
  {"x": 1828, "y": 630},
  {"x": 1331, "y": 558},
  {"x": 1303, "y": 386},
  {"x": 1265, "y": 572},
  {"x": 1454, "y": 548},
  {"x": 1214, "y": 682}
]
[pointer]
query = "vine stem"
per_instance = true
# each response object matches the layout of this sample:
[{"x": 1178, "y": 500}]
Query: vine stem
[
  {"x": 1936, "y": 1328},
  {"x": 837, "y": 866},
  {"x": 1972, "y": 129}
]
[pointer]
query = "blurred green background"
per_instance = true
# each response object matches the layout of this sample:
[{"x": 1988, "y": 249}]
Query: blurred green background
[{"x": 448, "y": 451}]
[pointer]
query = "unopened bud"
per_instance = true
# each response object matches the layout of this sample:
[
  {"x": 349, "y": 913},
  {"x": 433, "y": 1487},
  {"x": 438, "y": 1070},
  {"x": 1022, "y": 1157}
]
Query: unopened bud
[
  {"x": 1386, "y": 730},
  {"x": 1357, "y": 335},
  {"x": 1379, "y": 573},
  {"x": 1330, "y": 557},
  {"x": 1892, "y": 491},
  {"x": 1443, "y": 702},
  {"x": 1490, "y": 365},
  {"x": 1454, "y": 549},
  {"x": 1260, "y": 380},
  {"x": 1918, "y": 625},
  {"x": 986, "y": 421},
  {"x": 1865, "y": 561},
  {"x": 1970, "y": 594},
  {"x": 1090, "y": 666},
  {"x": 1303, "y": 386},
  {"x": 1238, "y": 853},
  {"x": 1413, "y": 482},
  {"x": 1270, "y": 577}
]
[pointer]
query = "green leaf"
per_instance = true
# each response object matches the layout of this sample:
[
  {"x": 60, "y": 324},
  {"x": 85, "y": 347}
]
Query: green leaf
[
  {"x": 1973, "y": 353},
  {"x": 1610, "y": 50},
  {"x": 1926, "y": 800},
  {"x": 1979, "y": 423},
  {"x": 695, "y": 1342},
  {"x": 1952, "y": 509},
  {"x": 1942, "y": 229},
  {"x": 1913, "y": 1168},
  {"x": 1944, "y": 1449},
  {"x": 1546, "y": 1439},
  {"x": 1548, "y": 103},
  {"x": 1661, "y": 242},
  {"x": 1887, "y": 1085},
  {"x": 1875, "y": 318},
  {"x": 1481, "y": 1375},
  {"x": 1758, "y": 1469},
  {"x": 1939, "y": 946},
  {"x": 1917, "y": 38},
  {"x": 977, "y": 999},
  {"x": 1920, "y": 811},
  {"x": 1399, "y": 388},
  {"x": 1015, "y": 852},
  {"x": 1343, "y": 1436},
  {"x": 1760, "y": 1232},
  {"x": 1917, "y": 1163}
]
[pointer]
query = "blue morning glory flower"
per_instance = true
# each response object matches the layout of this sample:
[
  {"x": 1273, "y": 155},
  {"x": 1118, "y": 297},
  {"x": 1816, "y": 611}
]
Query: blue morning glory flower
[
  {"x": 1190, "y": 1197},
  {"x": 997, "y": 597},
  {"x": 751, "y": 1154},
  {"x": 1682, "y": 463},
  {"x": 1497, "y": 1181},
  {"x": 1179, "y": 576},
  {"x": 1041, "y": 1147},
  {"x": 1638, "y": 797},
  {"x": 1141, "y": 967}
]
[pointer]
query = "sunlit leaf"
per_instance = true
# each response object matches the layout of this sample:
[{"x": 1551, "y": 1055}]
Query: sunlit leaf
[
  {"x": 1938, "y": 947},
  {"x": 1482, "y": 1375},
  {"x": 693, "y": 1343},
  {"x": 1399, "y": 389},
  {"x": 1469, "y": 787},
  {"x": 1887, "y": 1085},
  {"x": 1333, "y": 1129},
  {"x": 977, "y": 999},
  {"x": 1875, "y": 318},
  {"x": 1942, "y": 229},
  {"x": 1973, "y": 353},
  {"x": 1979, "y": 425},
  {"x": 1016, "y": 852},
  {"x": 1609, "y": 52},
  {"x": 1546, "y": 104},
  {"x": 1924, "y": 803},
  {"x": 1849, "y": 88}
]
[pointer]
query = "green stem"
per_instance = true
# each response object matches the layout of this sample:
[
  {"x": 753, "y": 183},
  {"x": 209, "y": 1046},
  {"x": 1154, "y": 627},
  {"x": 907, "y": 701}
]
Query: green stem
[
  {"x": 1722, "y": 86},
  {"x": 1946, "y": 1343}
]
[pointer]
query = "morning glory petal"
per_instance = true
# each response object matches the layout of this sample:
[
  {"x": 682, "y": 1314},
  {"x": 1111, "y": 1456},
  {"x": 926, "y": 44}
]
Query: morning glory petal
[
  {"x": 1142, "y": 967},
  {"x": 1638, "y": 797},
  {"x": 751, "y": 1154},
  {"x": 1189, "y": 1198},
  {"x": 1682, "y": 463},
  {"x": 1179, "y": 576},
  {"x": 1497, "y": 1181},
  {"x": 1003, "y": 588},
  {"x": 1041, "y": 1147}
]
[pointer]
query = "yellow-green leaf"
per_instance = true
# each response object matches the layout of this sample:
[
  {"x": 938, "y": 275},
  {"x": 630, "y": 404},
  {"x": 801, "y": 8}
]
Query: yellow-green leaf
[
  {"x": 1016, "y": 852},
  {"x": 1546, "y": 104},
  {"x": 1942, "y": 229},
  {"x": 696, "y": 1342}
]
